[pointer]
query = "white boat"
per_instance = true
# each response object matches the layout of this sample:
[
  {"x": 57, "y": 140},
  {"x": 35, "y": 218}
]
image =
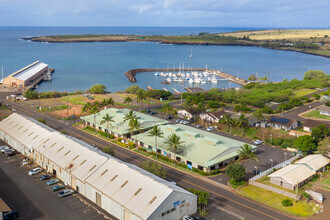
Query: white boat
[
  {"x": 188, "y": 74},
  {"x": 197, "y": 81},
  {"x": 168, "y": 79},
  {"x": 214, "y": 80},
  {"x": 190, "y": 54},
  {"x": 157, "y": 74},
  {"x": 209, "y": 78},
  {"x": 170, "y": 74},
  {"x": 174, "y": 75},
  {"x": 162, "y": 74},
  {"x": 205, "y": 73},
  {"x": 190, "y": 81},
  {"x": 203, "y": 81}
]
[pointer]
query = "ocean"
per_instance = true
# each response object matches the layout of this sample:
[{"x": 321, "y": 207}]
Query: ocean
[{"x": 80, "y": 65}]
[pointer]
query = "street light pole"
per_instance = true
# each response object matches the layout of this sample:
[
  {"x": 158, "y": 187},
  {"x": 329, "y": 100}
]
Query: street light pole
[
  {"x": 271, "y": 163},
  {"x": 285, "y": 156},
  {"x": 256, "y": 169}
]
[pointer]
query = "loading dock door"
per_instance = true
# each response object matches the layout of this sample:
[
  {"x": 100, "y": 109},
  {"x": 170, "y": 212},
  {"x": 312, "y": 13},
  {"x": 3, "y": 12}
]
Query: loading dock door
[
  {"x": 127, "y": 215},
  {"x": 73, "y": 182},
  {"x": 98, "y": 199}
]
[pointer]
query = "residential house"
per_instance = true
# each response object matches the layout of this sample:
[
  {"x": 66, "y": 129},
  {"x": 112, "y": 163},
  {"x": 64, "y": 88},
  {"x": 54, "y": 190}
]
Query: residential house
[
  {"x": 324, "y": 110},
  {"x": 282, "y": 123},
  {"x": 184, "y": 114},
  {"x": 309, "y": 124},
  {"x": 212, "y": 117}
]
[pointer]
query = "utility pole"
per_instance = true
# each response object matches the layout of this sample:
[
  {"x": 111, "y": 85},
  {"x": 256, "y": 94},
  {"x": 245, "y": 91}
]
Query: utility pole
[{"x": 67, "y": 107}]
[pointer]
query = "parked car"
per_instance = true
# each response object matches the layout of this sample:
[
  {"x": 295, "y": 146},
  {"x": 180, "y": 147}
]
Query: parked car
[
  {"x": 148, "y": 111},
  {"x": 44, "y": 177},
  {"x": 199, "y": 126},
  {"x": 65, "y": 193},
  {"x": 153, "y": 113},
  {"x": 35, "y": 171},
  {"x": 10, "y": 152},
  {"x": 169, "y": 117},
  {"x": 257, "y": 142},
  {"x": 187, "y": 217},
  {"x": 177, "y": 120},
  {"x": 58, "y": 187},
  {"x": 10, "y": 215},
  {"x": 210, "y": 128},
  {"x": 52, "y": 182},
  {"x": 4, "y": 148}
]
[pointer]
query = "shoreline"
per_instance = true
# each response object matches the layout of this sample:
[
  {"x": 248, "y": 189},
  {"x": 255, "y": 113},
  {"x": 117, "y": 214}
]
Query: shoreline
[{"x": 49, "y": 40}]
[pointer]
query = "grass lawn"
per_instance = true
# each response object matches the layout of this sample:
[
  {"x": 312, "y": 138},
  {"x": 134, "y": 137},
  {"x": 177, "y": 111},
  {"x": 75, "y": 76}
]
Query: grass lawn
[
  {"x": 75, "y": 100},
  {"x": 56, "y": 108},
  {"x": 316, "y": 114},
  {"x": 326, "y": 181},
  {"x": 303, "y": 92},
  {"x": 272, "y": 199},
  {"x": 235, "y": 184},
  {"x": 248, "y": 132}
]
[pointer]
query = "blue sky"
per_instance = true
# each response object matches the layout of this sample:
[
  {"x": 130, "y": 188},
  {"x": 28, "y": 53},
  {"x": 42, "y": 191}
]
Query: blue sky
[{"x": 199, "y": 13}]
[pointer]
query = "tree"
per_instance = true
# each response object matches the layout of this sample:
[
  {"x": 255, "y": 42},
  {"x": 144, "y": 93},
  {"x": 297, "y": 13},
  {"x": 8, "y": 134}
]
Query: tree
[
  {"x": 98, "y": 89},
  {"x": 166, "y": 108},
  {"x": 305, "y": 143},
  {"x": 31, "y": 94},
  {"x": 325, "y": 99},
  {"x": 110, "y": 102},
  {"x": 128, "y": 100},
  {"x": 86, "y": 107},
  {"x": 202, "y": 198},
  {"x": 202, "y": 201},
  {"x": 227, "y": 120},
  {"x": 94, "y": 110},
  {"x": 324, "y": 146},
  {"x": 107, "y": 119},
  {"x": 319, "y": 132},
  {"x": 130, "y": 116},
  {"x": 252, "y": 77},
  {"x": 246, "y": 152},
  {"x": 135, "y": 126},
  {"x": 242, "y": 122},
  {"x": 314, "y": 74},
  {"x": 258, "y": 115},
  {"x": 109, "y": 150},
  {"x": 236, "y": 171},
  {"x": 154, "y": 168},
  {"x": 173, "y": 142},
  {"x": 156, "y": 132},
  {"x": 140, "y": 96},
  {"x": 42, "y": 120}
]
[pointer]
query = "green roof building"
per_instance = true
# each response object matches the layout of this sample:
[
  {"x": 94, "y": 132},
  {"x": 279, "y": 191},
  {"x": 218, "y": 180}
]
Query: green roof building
[
  {"x": 203, "y": 150},
  {"x": 119, "y": 128}
]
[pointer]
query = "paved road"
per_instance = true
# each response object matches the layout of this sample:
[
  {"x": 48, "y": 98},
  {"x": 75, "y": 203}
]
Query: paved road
[
  {"x": 293, "y": 114},
  {"x": 33, "y": 199},
  {"x": 218, "y": 195}
]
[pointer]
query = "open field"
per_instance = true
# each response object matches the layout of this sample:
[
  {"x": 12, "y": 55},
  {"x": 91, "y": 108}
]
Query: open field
[
  {"x": 304, "y": 92},
  {"x": 316, "y": 114},
  {"x": 300, "y": 208},
  {"x": 280, "y": 34}
]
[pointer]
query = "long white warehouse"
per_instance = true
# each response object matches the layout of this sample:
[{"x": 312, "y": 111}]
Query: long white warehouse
[{"x": 123, "y": 190}]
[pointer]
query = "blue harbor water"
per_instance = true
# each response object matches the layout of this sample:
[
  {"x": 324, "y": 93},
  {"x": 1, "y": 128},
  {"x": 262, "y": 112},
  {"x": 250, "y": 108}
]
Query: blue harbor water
[{"x": 80, "y": 65}]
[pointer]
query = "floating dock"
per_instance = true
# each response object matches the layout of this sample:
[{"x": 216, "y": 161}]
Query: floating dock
[
  {"x": 132, "y": 73},
  {"x": 195, "y": 89}
]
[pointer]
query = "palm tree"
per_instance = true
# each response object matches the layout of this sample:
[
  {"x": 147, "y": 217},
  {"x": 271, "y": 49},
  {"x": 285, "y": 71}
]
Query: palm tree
[
  {"x": 135, "y": 126},
  {"x": 86, "y": 107},
  {"x": 140, "y": 96},
  {"x": 130, "y": 116},
  {"x": 242, "y": 122},
  {"x": 107, "y": 119},
  {"x": 110, "y": 102},
  {"x": 166, "y": 108},
  {"x": 128, "y": 100},
  {"x": 246, "y": 152},
  {"x": 227, "y": 120},
  {"x": 258, "y": 115},
  {"x": 155, "y": 132},
  {"x": 94, "y": 110},
  {"x": 202, "y": 201},
  {"x": 173, "y": 142}
]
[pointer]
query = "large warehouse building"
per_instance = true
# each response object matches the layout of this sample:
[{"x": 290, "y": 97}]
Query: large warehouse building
[
  {"x": 124, "y": 190},
  {"x": 27, "y": 75}
]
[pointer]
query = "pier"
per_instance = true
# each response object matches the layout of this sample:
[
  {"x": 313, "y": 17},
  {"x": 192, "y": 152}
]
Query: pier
[{"x": 132, "y": 73}]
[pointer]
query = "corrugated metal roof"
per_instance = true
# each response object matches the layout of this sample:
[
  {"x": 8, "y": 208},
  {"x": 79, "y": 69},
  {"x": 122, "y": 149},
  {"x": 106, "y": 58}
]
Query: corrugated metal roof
[
  {"x": 316, "y": 161},
  {"x": 29, "y": 71},
  {"x": 80, "y": 159},
  {"x": 25, "y": 130},
  {"x": 119, "y": 126},
  {"x": 200, "y": 147},
  {"x": 136, "y": 189},
  {"x": 294, "y": 173}
]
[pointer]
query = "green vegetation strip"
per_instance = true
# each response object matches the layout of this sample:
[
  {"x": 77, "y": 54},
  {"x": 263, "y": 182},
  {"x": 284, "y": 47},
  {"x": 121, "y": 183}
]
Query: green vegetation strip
[
  {"x": 304, "y": 92},
  {"x": 316, "y": 114},
  {"x": 272, "y": 199}
]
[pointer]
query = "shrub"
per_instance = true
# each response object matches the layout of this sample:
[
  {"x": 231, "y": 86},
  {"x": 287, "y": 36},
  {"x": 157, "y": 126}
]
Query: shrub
[
  {"x": 42, "y": 120},
  {"x": 214, "y": 172},
  {"x": 182, "y": 165},
  {"x": 287, "y": 202},
  {"x": 109, "y": 150},
  {"x": 154, "y": 168},
  {"x": 98, "y": 89},
  {"x": 306, "y": 195},
  {"x": 131, "y": 144}
]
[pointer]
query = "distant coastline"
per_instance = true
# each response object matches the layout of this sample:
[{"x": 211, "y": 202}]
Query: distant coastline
[{"x": 315, "y": 42}]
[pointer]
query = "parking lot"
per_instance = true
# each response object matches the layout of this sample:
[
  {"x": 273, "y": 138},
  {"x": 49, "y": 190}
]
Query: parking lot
[{"x": 34, "y": 199}]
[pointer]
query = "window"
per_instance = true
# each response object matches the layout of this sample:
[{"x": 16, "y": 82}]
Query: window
[
  {"x": 212, "y": 167},
  {"x": 200, "y": 167}
]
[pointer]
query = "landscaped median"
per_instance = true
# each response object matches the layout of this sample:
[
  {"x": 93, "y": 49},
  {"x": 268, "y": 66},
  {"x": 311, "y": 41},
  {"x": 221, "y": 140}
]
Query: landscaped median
[{"x": 272, "y": 199}]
